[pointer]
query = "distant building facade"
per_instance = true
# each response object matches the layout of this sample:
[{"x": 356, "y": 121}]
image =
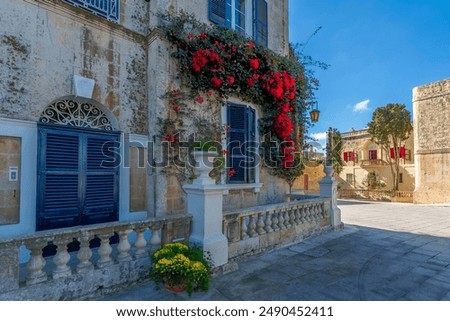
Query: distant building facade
[{"x": 366, "y": 164}]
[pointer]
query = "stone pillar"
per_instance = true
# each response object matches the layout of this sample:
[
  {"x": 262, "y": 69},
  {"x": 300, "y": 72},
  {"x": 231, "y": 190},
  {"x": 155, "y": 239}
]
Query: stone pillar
[
  {"x": 328, "y": 189},
  {"x": 204, "y": 202}
]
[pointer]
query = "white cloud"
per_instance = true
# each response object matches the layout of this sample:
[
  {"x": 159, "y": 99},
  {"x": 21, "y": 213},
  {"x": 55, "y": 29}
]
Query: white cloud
[
  {"x": 319, "y": 141},
  {"x": 361, "y": 106},
  {"x": 319, "y": 136}
]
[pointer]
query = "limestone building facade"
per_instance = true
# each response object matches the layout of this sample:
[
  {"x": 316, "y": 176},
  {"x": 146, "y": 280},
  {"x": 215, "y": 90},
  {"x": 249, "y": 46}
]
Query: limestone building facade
[
  {"x": 431, "y": 107},
  {"x": 75, "y": 74}
]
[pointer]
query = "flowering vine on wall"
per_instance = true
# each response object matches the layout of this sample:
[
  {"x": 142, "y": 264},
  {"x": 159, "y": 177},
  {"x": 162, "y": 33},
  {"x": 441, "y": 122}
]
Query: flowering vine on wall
[{"x": 216, "y": 63}]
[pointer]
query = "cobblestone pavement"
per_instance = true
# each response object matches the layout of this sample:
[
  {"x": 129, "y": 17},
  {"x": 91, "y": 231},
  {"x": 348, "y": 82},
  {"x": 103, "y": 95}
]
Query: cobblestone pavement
[{"x": 387, "y": 251}]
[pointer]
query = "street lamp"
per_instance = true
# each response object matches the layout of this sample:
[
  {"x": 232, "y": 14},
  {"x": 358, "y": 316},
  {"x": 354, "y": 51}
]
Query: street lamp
[{"x": 314, "y": 114}]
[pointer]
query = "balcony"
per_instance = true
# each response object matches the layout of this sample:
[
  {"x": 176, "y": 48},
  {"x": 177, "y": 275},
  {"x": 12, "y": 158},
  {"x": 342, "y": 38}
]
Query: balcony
[{"x": 373, "y": 162}]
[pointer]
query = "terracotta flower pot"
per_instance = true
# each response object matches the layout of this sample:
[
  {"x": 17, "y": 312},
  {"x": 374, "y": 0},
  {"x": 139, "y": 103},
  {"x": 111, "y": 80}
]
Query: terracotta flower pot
[{"x": 176, "y": 288}]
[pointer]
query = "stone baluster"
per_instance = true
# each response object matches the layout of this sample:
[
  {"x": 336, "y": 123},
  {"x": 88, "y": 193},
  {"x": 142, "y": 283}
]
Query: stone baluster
[
  {"x": 281, "y": 220},
  {"x": 61, "y": 259},
  {"x": 252, "y": 226},
  {"x": 141, "y": 243},
  {"x": 287, "y": 217},
  {"x": 155, "y": 240},
  {"x": 37, "y": 262},
  {"x": 292, "y": 216},
  {"x": 302, "y": 214},
  {"x": 260, "y": 224},
  {"x": 268, "y": 224},
  {"x": 244, "y": 234},
  {"x": 313, "y": 213},
  {"x": 84, "y": 255},
  {"x": 124, "y": 246},
  {"x": 104, "y": 251},
  {"x": 319, "y": 211},
  {"x": 275, "y": 226},
  {"x": 322, "y": 211},
  {"x": 308, "y": 213},
  {"x": 297, "y": 215}
]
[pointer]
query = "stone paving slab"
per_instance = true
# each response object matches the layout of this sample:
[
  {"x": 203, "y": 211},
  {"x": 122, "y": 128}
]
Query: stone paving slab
[{"x": 387, "y": 251}]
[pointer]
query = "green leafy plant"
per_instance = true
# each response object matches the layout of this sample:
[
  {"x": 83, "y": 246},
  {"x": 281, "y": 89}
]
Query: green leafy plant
[
  {"x": 334, "y": 150},
  {"x": 178, "y": 264}
]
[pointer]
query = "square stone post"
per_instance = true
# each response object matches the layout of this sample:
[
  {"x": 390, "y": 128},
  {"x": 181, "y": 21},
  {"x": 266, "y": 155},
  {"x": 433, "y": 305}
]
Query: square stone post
[
  {"x": 328, "y": 189},
  {"x": 204, "y": 202}
]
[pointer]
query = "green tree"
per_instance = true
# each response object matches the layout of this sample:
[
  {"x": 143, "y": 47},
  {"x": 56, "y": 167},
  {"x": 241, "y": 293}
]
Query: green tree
[
  {"x": 390, "y": 126},
  {"x": 334, "y": 150}
]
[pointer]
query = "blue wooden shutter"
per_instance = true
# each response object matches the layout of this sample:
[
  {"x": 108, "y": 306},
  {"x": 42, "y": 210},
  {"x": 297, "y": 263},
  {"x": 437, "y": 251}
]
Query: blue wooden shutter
[
  {"x": 58, "y": 180},
  {"x": 260, "y": 24},
  {"x": 237, "y": 120},
  {"x": 220, "y": 12},
  {"x": 102, "y": 179},
  {"x": 78, "y": 177},
  {"x": 241, "y": 143},
  {"x": 251, "y": 158}
]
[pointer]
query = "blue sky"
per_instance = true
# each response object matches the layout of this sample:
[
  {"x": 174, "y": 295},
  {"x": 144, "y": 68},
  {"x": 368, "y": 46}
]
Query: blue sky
[{"x": 378, "y": 51}]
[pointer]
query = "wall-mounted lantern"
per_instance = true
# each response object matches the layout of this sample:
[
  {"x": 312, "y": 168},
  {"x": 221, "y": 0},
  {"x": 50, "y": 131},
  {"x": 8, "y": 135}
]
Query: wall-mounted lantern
[{"x": 314, "y": 114}]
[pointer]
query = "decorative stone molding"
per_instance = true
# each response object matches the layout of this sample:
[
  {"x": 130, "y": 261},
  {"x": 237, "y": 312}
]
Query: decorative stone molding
[{"x": 79, "y": 112}]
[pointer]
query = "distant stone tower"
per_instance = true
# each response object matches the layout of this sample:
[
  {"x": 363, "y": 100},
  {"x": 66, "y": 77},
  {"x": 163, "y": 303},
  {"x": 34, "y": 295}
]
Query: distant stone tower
[{"x": 431, "y": 104}]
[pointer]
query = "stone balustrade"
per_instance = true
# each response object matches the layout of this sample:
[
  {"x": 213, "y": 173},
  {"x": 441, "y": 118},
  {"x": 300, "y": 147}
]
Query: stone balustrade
[
  {"x": 85, "y": 271},
  {"x": 377, "y": 195},
  {"x": 256, "y": 229}
]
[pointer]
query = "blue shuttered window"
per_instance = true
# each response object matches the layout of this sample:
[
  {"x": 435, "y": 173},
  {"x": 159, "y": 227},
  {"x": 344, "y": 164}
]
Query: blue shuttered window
[
  {"x": 241, "y": 143},
  {"x": 220, "y": 12},
  {"x": 232, "y": 14},
  {"x": 260, "y": 23},
  {"x": 78, "y": 177}
]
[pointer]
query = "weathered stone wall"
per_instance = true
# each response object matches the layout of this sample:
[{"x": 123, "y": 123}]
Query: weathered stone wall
[
  {"x": 431, "y": 104},
  {"x": 44, "y": 43},
  {"x": 278, "y": 26}
]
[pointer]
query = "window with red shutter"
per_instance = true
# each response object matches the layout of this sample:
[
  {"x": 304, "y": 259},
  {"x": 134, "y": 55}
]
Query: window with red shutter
[
  {"x": 402, "y": 152},
  {"x": 392, "y": 152},
  {"x": 345, "y": 156},
  {"x": 351, "y": 156}
]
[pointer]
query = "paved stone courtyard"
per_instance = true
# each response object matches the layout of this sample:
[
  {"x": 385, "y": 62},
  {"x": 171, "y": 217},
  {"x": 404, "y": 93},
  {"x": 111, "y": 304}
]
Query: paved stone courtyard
[{"x": 387, "y": 251}]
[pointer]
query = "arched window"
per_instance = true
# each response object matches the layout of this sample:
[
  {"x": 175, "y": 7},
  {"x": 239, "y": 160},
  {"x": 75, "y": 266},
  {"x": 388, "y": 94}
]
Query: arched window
[{"x": 78, "y": 164}]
